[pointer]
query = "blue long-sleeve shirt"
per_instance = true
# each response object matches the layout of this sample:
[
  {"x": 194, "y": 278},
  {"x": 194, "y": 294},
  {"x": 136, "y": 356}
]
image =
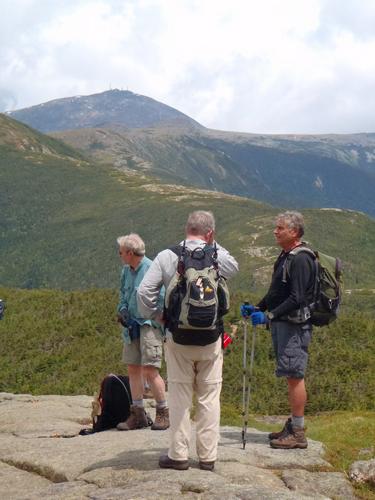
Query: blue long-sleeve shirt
[{"x": 130, "y": 281}]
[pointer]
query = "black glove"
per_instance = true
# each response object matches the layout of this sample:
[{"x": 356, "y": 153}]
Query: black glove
[{"x": 123, "y": 317}]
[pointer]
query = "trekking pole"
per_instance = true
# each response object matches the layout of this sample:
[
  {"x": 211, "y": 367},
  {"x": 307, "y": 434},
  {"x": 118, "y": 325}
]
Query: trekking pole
[
  {"x": 247, "y": 392},
  {"x": 244, "y": 373}
]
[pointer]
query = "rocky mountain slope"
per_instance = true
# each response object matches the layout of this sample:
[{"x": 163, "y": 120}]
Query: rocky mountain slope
[
  {"x": 135, "y": 132},
  {"x": 327, "y": 171}
]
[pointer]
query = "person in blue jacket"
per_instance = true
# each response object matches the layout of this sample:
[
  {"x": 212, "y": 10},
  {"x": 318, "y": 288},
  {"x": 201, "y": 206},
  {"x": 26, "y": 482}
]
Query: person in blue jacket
[{"x": 143, "y": 338}]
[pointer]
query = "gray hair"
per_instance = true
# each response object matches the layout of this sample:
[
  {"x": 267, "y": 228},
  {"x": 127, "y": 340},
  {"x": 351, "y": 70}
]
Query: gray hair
[
  {"x": 200, "y": 222},
  {"x": 132, "y": 242},
  {"x": 294, "y": 220}
]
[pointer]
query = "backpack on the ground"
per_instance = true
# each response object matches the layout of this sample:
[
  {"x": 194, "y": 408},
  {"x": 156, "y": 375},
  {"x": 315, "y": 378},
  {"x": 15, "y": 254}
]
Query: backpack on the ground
[
  {"x": 113, "y": 403},
  {"x": 327, "y": 286},
  {"x": 197, "y": 297}
]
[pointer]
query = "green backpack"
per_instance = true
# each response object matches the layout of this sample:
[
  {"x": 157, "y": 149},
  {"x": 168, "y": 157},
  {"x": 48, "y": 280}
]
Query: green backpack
[
  {"x": 327, "y": 288},
  {"x": 196, "y": 298}
]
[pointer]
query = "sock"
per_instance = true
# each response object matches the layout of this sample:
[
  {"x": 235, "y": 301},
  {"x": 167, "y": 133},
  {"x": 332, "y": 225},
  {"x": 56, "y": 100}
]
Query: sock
[
  {"x": 161, "y": 404},
  {"x": 138, "y": 402},
  {"x": 298, "y": 421}
]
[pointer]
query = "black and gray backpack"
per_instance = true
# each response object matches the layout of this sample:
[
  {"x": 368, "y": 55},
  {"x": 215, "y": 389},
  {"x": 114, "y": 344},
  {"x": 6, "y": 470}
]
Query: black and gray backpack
[{"x": 197, "y": 297}]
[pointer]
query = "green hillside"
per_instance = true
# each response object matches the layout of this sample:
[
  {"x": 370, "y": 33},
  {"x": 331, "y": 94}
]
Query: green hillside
[
  {"x": 15, "y": 136},
  {"x": 61, "y": 217},
  {"x": 64, "y": 342},
  {"x": 301, "y": 171}
]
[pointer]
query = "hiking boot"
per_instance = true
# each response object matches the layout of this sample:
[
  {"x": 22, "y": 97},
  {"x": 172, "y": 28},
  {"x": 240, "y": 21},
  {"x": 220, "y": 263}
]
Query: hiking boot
[
  {"x": 294, "y": 439},
  {"x": 161, "y": 420},
  {"x": 284, "y": 430},
  {"x": 136, "y": 420},
  {"x": 207, "y": 465},
  {"x": 167, "y": 463}
]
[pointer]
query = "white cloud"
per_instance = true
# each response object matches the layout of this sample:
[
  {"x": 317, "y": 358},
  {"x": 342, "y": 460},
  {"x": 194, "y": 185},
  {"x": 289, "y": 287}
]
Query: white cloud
[{"x": 274, "y": 66}]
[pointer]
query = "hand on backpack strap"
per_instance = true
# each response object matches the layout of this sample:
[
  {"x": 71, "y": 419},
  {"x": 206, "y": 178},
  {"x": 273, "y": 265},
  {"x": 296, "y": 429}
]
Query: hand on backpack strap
[
  {"x": 258, "y": 318},
  {"x": 247, "y": 310}
]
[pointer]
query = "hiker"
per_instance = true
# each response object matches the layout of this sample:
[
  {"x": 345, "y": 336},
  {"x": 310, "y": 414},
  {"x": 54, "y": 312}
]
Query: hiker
[
  {"x": 194, "y": 358},
  {"x": 143, "y": 338},
  {"x": 288, "y": 319}
]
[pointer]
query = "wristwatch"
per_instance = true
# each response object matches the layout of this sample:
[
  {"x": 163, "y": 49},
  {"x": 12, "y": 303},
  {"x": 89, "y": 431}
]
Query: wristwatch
[{"x": 270, "y": 316}]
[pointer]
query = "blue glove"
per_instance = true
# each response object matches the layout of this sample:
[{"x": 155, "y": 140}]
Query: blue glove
[
  {"x": 259, "y": 318},
  {"x": 247, "y": 310}
]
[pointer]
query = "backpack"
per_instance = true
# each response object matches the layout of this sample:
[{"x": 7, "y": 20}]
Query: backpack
[
  {"x": 114, "y": 402},
  {"x": 327, "y": 287},
  {"x": 197, "y": 297}
]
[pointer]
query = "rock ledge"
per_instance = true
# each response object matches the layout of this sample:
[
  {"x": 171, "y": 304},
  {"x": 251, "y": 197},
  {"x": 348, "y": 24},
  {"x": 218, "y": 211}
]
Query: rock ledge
[{"x": 42, "y": 456}]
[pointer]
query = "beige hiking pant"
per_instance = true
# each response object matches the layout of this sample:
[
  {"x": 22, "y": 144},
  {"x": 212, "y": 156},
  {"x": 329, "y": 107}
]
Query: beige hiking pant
[{"x": 194, "y": 369}]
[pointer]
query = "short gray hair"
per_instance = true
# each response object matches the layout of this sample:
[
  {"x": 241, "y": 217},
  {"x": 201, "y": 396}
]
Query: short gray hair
[
  {"x": 200, "y": 222},
  {"x": 294, "y": 220},
  {"x": 132, "y": 242}
]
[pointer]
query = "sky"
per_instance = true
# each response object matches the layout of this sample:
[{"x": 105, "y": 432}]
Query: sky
[{"x": 261, "y": 66}]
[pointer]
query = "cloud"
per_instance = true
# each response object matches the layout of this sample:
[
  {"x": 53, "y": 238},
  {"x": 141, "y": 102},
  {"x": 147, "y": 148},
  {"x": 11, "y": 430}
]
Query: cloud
[
  {"x": 268, "y": 67},
  {"x": 7, "y": 99}
]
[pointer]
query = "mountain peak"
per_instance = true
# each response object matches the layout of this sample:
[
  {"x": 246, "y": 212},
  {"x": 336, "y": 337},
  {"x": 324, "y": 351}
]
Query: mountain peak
[{"x": 113, "y": 107}]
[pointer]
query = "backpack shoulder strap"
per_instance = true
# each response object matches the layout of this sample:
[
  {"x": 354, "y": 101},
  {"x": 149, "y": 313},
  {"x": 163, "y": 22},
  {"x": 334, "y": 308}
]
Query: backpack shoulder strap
[
  {"x": 303, "y": 248},
  {"x": 181, "y": 251},
  {"x": 122, "y": 383},
  {"x": 300, "y": 248},
  {"x": 176, "y": 249}
]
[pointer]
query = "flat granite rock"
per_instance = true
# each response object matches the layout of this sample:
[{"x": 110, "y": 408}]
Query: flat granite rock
[
  {"x": 258, "y": 452},
  {"x": 42, "y": 456},
  {"x": 44, "y": 416},
  {"x": 76, "y": 490},
  {"x": 13, "y": 481},
  {"x": 331, "y": 484}
]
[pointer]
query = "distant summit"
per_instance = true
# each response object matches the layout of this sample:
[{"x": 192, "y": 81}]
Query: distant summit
[{"x": 107, "y": 109}]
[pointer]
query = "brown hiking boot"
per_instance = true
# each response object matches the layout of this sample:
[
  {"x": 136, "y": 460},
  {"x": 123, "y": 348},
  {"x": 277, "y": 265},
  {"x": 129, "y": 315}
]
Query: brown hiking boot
[
  {"x": 209, "y": 466},
  {"x": 284, "y": 430},
  {"x": 294, "y": 439},
  {"x": 136, "y": 420},
  {"x": 161, "y": 420},
  {"x": 167, "y": 463}
]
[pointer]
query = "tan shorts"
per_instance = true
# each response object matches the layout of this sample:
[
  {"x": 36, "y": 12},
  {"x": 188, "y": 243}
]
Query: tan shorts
[{"x": 147, "y": 350}]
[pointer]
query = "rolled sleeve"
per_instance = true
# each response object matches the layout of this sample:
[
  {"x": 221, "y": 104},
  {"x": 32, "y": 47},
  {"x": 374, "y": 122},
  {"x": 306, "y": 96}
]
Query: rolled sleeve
[{"x": 148, "y": 296}]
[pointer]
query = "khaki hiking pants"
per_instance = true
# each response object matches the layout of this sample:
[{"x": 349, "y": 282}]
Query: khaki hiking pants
[{"x": 194, "y": 369}]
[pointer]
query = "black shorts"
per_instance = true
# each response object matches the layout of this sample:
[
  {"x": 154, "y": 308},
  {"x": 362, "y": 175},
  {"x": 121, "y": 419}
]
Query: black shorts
[{"x": 291, "y": 342}]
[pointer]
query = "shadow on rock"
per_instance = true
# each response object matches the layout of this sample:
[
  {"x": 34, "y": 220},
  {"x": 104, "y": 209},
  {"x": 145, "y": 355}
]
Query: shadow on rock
[
  {"x": 229, "y": 438},
  {"x": 143, "y": 459}
]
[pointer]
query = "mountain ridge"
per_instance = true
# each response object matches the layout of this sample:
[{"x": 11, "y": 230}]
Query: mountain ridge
[
  {"x": 273, "y": 170},
  {"x": 133, "y": 132},
  {"x": 70, "y": 213}
]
